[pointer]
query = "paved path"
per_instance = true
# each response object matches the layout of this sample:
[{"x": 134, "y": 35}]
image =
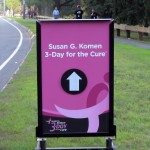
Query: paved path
[
  {"x": 133, "y": 42},
  {"x": 15, "y": 43}
]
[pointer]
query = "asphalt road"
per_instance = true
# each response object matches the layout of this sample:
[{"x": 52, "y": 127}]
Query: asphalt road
[
  {"x": 15, "y": 43},
  {"x": 133, "y": 42}
]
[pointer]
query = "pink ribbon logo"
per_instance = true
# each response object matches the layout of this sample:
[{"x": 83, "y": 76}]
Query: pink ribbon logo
[{"x": 93, "y": 112}]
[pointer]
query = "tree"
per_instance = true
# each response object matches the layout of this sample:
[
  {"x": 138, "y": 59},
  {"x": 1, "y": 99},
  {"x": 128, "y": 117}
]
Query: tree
[
  {"x": 46, "y": 7},
  {"x": 130, "y": 12},
  {"x": 15, "y": 5},
  {"x": 103, "y": 7},
  {"x": 147, "y": 13}
]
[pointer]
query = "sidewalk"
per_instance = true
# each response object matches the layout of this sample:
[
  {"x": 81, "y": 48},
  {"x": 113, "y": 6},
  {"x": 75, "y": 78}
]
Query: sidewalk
[{"x": 133, "y": 42}]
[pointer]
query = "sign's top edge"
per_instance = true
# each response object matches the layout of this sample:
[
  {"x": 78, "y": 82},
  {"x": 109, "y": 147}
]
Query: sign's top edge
[{"x": 80, "y": 20}]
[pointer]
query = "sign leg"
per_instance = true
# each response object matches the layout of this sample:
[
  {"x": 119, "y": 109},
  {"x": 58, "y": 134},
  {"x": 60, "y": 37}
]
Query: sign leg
[
  {"x": 110, "y": 145},
  {"x": 41, "y": 144}
]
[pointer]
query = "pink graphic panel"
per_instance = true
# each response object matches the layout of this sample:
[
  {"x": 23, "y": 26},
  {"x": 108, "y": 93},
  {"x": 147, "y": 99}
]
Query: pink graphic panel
[{"x": 75, "y": 59}]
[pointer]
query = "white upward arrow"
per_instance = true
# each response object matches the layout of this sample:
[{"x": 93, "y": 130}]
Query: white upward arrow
[{"x": 74, "y": 82}]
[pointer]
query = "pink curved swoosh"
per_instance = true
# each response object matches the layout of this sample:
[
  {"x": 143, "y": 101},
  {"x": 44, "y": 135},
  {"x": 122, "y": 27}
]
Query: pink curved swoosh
[
  {"x": 93, "y": 94},
  {"x": 91, "y": 113}
]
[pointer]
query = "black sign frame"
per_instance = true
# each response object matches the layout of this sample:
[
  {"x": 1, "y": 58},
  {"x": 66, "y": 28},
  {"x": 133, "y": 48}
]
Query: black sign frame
[{"x": 112, "y": 127}]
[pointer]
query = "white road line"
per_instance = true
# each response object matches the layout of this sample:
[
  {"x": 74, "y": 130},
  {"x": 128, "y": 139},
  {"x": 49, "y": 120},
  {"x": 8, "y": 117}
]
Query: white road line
[{"x": 17, "y": 48}]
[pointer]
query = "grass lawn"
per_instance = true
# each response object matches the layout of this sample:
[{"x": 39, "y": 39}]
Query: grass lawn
[{"x": 18, "y": 104}]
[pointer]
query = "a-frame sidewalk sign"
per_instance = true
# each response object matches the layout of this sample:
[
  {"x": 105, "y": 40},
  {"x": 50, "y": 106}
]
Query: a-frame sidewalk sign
[{"x": 75, "y": 78}]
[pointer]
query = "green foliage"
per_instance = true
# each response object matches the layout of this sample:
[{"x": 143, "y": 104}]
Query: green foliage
[
  {"x": 1, "y": 7},
  {"x": 15, "y": 5},
  {"x": 132, "y": 12}
]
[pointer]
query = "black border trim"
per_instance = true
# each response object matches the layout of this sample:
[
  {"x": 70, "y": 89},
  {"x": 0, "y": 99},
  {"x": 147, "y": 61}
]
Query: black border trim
[
  {"x": 112, "y": 127},
  {"x": 39, "y": 79}
]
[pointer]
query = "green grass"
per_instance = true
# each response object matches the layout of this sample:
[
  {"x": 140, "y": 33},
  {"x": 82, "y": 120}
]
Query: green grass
[
  {"x": 18, "y": 109},
  {"x": 30, "y": 24},
  {"x": 132, "y": 97},
  {"x": 18, "y": 104}
]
